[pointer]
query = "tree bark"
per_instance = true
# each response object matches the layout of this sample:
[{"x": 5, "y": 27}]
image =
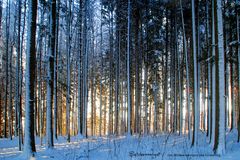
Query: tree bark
[
  {"x": 50, "y": 79},
  {"x": 29, "y": 146}
]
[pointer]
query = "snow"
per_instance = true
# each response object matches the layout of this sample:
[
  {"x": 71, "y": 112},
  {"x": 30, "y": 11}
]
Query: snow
[{"x": 164, "y": 146}]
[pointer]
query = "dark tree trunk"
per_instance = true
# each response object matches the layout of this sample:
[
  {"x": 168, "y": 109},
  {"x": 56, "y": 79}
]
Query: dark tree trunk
[{"x": 29, "y": 146}]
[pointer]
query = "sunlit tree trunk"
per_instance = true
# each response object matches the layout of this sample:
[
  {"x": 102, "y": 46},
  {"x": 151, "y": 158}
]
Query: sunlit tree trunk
[
  {"x": 85, "y": 69},
  {"x": 187, "y": 71}
]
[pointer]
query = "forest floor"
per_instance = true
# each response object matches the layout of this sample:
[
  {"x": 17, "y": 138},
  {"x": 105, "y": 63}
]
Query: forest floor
[{"x": 169, "y": 147}]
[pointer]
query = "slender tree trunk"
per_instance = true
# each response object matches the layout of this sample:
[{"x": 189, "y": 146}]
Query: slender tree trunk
[
  {"x": 7, "y": 65},
  {"x": 101, "y": 73},
  {"x": 165, "y": 111},
  {"x": 179, "y": 85},
  {"x": 128, "y": 69},
  {"x": 213, "y": 95},
  {"x": 1, "y": 79},
  {"x": 231, "y": 76},
  {"x": 187, "y": 71},
  {"x": 238, "y": 52},
  {"x": 146, "y": 98},
  {"x": 209, "y": 113},
  {"x": 10, "y": 78},
  {"x": 155, "y": 92},
  {"x": 10, "y": 122},
  {"x": 20, "y": 77},
  {"x": 195, "y": 131},
  {"x": 55, "y": 76},
  {"x": 39, "y": 77},
  {"x": 80, "y": 71},
  {"x": 137, "y": 81},
  {"x": 85, "y": 71},
  {"x": 50, "y": 80},
  {"x": 68, "y": 99},
  {"x": 1, "y": 9},
  {"x": 1, "y": 107}
]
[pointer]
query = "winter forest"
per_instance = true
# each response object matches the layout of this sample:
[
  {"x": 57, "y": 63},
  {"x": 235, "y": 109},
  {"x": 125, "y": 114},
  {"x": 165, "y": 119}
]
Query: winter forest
[{"x": 119, "y": 79}]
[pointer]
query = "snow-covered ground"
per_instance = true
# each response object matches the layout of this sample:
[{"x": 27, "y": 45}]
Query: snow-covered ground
[{"x": 169, "y": 147}]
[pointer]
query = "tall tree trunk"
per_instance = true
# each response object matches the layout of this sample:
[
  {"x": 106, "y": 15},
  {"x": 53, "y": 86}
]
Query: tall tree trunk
[
  {"x": 39, "y": 77},
  {"x": 1, "y": 3},
  {"x": 101, "y": 73},
  {"x": 219, "y": 144},
  {"x": 10, "y": 115},
  {"x": 128, "y": 69},
  {"x": 137, "y": 74},
  {"x": 195, "y": 108},
  {"x": 187, "y": 71},
  {"x": 55, "y": 77},
  {"x": 213, "y": 94},
  {"x": 29, "y": 145},
  {"x": 80, "y": 71},
  {"x": 17, "y": 70},
  {"x": 209, "y": 113},
  {"x": 10, "y": 124},
  {"x": 238, "y": 52},
  {"x": 68, "y": 99},
  {"x": 50, "y": 80},
  {"x": 165, "y": 110},
  {"x": 21, "y": 76},
  {"x": 85, "y": 70},
  {"x": 7, "y": 65}
]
